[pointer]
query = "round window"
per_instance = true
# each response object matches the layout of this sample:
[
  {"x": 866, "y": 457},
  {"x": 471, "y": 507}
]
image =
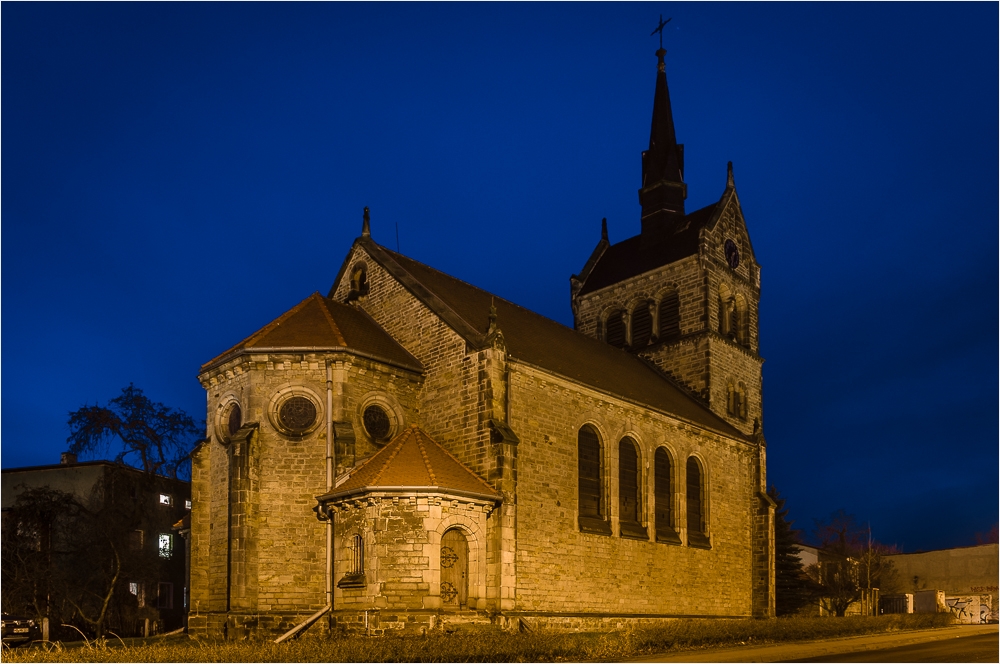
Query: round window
[
  {"x": 235, "y": 419},
  {"x": 377, "y": 422},
  {"x": 297, "y": 414}
]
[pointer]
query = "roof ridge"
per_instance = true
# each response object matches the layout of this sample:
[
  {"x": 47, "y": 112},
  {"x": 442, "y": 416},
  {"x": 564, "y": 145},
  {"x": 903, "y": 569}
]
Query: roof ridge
[
  {"x": 262, "y": 331},
  {"x": 329, "y": 319},
  {"x": 423, "y": 454},
  {"x": 392, "y": 455}
]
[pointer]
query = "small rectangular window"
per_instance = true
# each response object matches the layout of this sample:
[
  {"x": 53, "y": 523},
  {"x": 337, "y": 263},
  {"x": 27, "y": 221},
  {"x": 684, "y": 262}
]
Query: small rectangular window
[
  {"x": 187, "y": 504},
  {"x": 135, "y": 541},
  {"x": 166, "y": 545},
  {"x": 166, "y": 500},
  {"x": 165, "y": 595},
  {"x": 137, "y": 590}
]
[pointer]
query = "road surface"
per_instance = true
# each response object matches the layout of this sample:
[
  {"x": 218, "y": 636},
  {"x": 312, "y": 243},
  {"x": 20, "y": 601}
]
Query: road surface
[{"x": 979, "y": 648}]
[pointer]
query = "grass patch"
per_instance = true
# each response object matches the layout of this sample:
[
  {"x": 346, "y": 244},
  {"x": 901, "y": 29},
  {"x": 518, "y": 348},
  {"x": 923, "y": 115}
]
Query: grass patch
[{"x": 485, "y": 645}]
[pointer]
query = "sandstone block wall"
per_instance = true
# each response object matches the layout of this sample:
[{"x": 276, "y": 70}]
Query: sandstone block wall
[
  {"x": 257, "y": 547},
  {"x": 402, "y": 542},
  {"x": 560, "y": 569}
]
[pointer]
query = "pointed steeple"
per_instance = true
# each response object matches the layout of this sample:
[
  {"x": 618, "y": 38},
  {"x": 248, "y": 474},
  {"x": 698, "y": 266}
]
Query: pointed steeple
[{"x": 663, "y": 189}]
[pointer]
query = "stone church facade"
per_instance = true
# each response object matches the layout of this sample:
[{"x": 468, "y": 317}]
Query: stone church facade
[{"x": 410, "y": 449}]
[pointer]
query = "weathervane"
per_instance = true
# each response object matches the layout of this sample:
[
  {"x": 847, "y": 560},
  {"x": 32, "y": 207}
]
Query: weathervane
[{"x": 659, "y": 29}]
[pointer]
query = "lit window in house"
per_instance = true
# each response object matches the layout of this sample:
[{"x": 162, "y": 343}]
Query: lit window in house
[
  {"x": 137, "y": 590},
  {"x": 165, "y": 499},
  {"x": 166, "y": 545},
  {"x": 187, "y": 504}
]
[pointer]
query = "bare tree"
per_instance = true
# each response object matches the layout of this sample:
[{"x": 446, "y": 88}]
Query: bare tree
[
  {"x": 851, "y": 562},
  {"x": 145, "y": 433}
]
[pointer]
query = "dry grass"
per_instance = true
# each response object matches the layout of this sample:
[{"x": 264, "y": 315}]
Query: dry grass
[{"x": 485, "y": 645}]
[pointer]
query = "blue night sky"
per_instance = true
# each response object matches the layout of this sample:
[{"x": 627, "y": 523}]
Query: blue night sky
[{"x": 175, "y": 176}]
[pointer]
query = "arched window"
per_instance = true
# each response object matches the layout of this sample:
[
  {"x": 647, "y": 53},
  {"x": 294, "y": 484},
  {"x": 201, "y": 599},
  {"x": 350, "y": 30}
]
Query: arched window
[
  {"x": 614, "y": 329},
  {"x": 591, "y": 479},
  {"x": 663, "y": 497},
  {"x": 355, "y": 563},
  {"x": 696, "y": 534},
  {"x": 739, "y": 321},
  {"x": 629, "y": 491},
  {"x": 642, "y": 325},
  {"x": 359, "y": 282},
  {"x": 741, "y": 401},
  {"x": 670, "y": 316},
  {"x": 357, "y": 555}
]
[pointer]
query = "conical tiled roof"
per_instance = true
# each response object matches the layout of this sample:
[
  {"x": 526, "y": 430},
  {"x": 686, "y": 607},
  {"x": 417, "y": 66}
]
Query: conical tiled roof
[
  {"x": 413, "y": 460},
  {"x": 319, "y": 323}
]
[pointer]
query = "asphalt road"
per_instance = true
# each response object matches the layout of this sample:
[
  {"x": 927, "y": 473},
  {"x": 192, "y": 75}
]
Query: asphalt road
[{"x": 980, "y": 648}]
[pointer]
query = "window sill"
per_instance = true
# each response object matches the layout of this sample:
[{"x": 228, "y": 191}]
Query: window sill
[
  {"x": 633, "y": 530},
  {"x": 699, "y": 541},
  {"x": 595, "y": 526},
  {"x": 668, "y": 536},
  {"x": 352, "y": 581}
]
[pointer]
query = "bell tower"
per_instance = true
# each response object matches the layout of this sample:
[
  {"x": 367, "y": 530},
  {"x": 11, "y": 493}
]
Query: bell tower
[{"x": 684, "y": 293}]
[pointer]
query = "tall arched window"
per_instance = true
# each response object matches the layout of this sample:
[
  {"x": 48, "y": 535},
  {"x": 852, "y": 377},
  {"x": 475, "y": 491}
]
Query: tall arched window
[
  {"x": 670, "y": 316},
  {"x": 739, "y": 320},
  {"x": 663, "y": 498},
  {"x": 642, "y": 325},
  {"x": 591, "y": 503},
  {"x": 358, "y": 555},
  {"x": 696, "y": 526},
  {"x": 614, "y": 329},
  {"x": 629, "y": 491}
]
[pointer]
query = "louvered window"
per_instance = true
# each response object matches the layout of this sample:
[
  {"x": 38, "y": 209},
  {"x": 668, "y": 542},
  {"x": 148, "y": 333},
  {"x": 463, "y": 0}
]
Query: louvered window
[
  {"x": 642, "y": 326},
  {"x": 629, "y": 494},
  {"x": 734, "y": 323},
  {"x": 670, "y": 316},
  {"x": 591, "y": 483},
  {"x": 663, "y": 497},
  {"x": 615, "y": 330},
  {"x": 695, "y": 506}
]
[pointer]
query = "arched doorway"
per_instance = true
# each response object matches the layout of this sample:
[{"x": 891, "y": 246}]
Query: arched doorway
[{"x": 454, "y": 569}]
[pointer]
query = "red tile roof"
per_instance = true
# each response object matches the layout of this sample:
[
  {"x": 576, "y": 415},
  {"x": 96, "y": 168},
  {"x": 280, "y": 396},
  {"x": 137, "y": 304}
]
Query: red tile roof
[
  {"x": 412, "y": 459},
  {"x": 319, "y": 323}
]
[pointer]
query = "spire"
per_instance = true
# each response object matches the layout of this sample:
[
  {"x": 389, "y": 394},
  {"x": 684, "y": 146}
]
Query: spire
[
  {"x": 366, "y": 229},
  {"x": 663, "y": 189}
]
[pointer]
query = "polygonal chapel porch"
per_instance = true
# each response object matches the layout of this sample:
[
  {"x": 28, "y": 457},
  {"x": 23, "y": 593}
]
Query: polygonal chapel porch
[{"x": 410, "y": 529}]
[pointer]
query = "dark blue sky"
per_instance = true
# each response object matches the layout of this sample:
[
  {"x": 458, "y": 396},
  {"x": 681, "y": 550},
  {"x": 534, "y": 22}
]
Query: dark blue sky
[{"x": 177, "y": 175}]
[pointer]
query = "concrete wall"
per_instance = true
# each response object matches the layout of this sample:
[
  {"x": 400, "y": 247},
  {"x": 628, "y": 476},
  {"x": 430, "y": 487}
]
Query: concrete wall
[{"x": 960, "y": 571}]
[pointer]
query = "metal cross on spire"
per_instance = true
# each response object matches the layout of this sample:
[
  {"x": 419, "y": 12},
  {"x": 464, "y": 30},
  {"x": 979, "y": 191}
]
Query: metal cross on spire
[{"x": 659, "y": 29}]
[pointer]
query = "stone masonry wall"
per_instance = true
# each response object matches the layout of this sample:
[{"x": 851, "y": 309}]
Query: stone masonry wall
[
  {"x": 463, "y": 388},
  {"x": 402, "y": 542},
  {"x": 560, "y": 569},
  {"x": 276, "y": 563}
]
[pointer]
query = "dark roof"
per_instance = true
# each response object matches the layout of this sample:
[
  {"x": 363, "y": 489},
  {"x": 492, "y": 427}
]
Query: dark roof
[
  {"x": 88, "y": 464},
  {"x": 645, "y": 252},
  {"x": 542, "y": 342},
  {"x": 319, "y": 323},
  {"x": 412, "y": 459}
]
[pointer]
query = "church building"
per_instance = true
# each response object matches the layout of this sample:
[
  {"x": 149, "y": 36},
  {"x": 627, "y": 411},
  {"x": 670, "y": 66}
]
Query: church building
[{"x": 409, "y": 451}]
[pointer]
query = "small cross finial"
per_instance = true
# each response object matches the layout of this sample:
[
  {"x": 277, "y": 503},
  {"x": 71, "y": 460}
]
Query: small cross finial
[
  {"x": 659, "y": 29},
  {"x": 366, "y": 230},
  {"x": 604, "y": 229}
]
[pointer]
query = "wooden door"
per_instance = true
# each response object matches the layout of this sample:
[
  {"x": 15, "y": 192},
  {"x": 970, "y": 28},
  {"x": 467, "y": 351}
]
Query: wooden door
[{"x": 454, "y": 569}]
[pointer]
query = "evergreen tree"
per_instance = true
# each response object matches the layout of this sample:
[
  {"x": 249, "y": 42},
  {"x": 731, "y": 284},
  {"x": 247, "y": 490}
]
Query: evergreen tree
[{"x": 793, "y": 589}]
